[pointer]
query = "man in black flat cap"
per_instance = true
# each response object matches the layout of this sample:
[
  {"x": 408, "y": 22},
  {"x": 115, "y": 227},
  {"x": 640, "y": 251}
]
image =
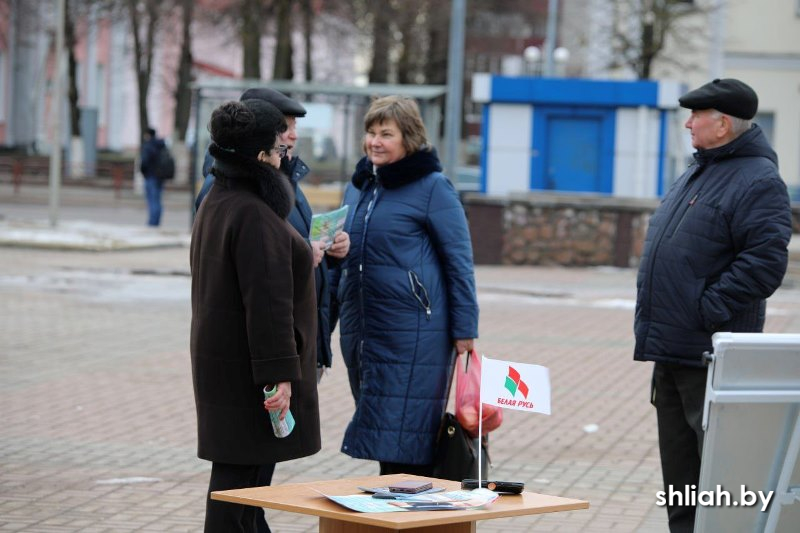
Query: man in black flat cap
[
  {"x": 300, "y": 218},
  {"x": 715, "y": 250}
]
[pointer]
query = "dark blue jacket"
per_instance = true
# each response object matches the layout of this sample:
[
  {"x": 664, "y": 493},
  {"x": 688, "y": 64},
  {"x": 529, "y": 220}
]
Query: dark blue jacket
[
  {"x": 149, "y": 156},
  {"x": 406, "y": 290},
  {"x": 715, "y": 249},
  {"x": 300, "y": 219}
]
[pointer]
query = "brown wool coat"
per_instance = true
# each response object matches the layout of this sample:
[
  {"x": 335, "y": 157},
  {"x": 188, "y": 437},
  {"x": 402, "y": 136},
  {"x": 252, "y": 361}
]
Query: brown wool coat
[{"x": 253, "y": 321}]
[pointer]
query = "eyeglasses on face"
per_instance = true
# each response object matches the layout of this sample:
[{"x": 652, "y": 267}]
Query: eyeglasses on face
[{"x": 281, "y": 150}]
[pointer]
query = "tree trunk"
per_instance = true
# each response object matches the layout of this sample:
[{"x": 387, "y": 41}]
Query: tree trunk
[
  {"x": 183, "y": 96},
  {"x": 308, "y": 30},
  {"x": 436, "y": 63},
  {"x": 404, "y": 63},
  {"x": 72, "y": 68},
  {"x": 251, "y": 38},
  {"x": 143, "y": 52},
  {"x": 381, "y": 32},
  {"x": 283, "y": 49}
]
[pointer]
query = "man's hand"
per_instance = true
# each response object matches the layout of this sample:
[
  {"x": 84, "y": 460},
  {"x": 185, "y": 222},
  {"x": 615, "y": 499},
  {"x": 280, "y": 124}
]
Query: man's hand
[{"x": 340, "y": 246}]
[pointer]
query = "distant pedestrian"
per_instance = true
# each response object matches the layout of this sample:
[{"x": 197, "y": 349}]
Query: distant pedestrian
[
  {"x": 253, "y": 314},
  {"x": 715, "y": 250},
  {"x": 153, "y": 185},
  {"x": 407, "y": 291}
]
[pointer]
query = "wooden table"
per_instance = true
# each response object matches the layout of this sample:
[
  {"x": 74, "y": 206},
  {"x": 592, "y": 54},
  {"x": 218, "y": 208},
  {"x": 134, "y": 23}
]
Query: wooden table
[{"x": 333, "y": 518}]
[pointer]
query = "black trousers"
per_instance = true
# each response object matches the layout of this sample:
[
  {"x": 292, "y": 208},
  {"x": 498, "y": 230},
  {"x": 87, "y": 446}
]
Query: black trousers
[
  {"x": 678, "y": 393},
  {"x": 400, "y": 468},
  {"x": 223, "y": 517}
]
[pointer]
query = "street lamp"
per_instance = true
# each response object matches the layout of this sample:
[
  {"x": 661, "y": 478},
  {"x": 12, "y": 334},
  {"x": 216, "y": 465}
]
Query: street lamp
[
  {"x": 560, "y": 58},
  {"x": 533, "y": 60}
]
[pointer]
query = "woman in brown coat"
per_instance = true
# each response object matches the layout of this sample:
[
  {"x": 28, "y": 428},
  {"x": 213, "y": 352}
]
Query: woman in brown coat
[{"x": 253, "y": 313}]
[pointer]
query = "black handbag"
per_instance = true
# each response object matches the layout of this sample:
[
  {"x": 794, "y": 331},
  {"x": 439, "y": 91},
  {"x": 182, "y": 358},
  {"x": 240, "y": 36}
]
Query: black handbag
[{"x": 456, "y": 454}]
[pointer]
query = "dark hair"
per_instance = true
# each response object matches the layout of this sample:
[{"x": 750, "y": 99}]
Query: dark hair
[
  {"x": 151, "y": 132},
  {"x": 246, "y": 127}
]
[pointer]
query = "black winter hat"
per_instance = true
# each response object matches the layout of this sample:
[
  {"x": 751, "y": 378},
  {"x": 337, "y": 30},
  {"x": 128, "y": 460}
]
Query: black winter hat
[
  {"x": 247, "y": 127},
  {"x": 286, "y": 105},
  {"x": 730, "y": 96}
]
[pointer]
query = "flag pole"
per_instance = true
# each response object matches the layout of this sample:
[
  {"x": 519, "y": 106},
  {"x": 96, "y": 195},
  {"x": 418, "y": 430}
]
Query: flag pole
[{"x": 480, "y": 429}]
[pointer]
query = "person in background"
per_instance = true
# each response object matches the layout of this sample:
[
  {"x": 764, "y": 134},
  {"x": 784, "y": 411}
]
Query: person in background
[
  {"x": 406, "y": 291},
  {"x": 715, "y": 250},
  {"x": 253, "y": 314},
  {"x": 153, "y": 186},
  {"x": 300, "y": 216}
]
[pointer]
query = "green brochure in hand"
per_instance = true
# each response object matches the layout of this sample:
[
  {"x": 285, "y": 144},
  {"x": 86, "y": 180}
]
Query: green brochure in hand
[{"x": 325, "y": 225}]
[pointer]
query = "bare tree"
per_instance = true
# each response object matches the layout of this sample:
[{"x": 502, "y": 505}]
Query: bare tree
[
  {"x": 252, "y": 12},
  {"x": 183, "y": 97},
  {"x": 382, "y": 16},
  {"x": 435, "y": 65},
  {"x": 282, "y": 69},
  {"x": 144, "y": 15},
  {"x": 5, "y": 14},
  {"x": 308, "y": 30},
  {"x": 644, "y": 29},
  {"x": 70, "y": 41}
]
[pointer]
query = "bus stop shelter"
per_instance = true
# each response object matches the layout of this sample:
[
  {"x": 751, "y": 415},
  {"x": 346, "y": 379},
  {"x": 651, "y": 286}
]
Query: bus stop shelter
[{"x": 334, "y": 118}]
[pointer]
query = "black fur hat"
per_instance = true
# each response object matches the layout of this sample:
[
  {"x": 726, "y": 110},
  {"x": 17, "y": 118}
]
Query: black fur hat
[{"x": 246, "y": 127}]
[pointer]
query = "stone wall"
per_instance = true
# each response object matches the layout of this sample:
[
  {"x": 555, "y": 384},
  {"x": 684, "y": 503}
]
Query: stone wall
[
  {"x": 555, "y": 229},
  {"x": 558, "y": 229}
]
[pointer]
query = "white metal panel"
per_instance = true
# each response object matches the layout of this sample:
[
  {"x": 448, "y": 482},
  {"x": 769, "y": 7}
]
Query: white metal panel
[
  {"x": 636, "y": 152},
  {"x": 481, "y": 87},
  {"x": 752, "y": 436},
  {"x": 508, "y": 166}
]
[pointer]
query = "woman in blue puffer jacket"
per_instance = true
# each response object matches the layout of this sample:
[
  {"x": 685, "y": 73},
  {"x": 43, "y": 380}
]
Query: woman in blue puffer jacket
[{"x": 405, "y": 291}]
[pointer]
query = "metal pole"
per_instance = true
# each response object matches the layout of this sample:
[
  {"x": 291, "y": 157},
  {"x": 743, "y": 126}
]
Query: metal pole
[
  {"x": 197, "y": 100},
  {"x": 56, "y": 98},
  {"x": 455, "y": 86},
  {"x": 716, "y": 61},
  {"x": 346, "y": 140},
  {"x": 550, "y": 37}
]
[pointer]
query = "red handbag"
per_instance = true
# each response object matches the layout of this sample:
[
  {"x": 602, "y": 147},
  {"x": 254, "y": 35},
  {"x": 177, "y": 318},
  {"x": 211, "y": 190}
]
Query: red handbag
[{"x": 468, "y": 393}]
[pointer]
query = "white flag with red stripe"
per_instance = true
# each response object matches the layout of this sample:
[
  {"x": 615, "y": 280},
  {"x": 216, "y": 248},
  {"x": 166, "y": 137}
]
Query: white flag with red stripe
[{"x": 515, "y": 385}]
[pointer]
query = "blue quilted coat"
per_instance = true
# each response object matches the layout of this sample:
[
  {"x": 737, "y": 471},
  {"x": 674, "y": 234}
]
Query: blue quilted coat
[
  {"x": 405, "y": 291},
  {"x": 715, "y": 250}
]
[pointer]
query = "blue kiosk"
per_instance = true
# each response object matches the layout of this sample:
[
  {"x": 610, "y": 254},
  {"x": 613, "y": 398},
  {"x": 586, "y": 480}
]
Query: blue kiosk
[{"x": 618, "y": 138}]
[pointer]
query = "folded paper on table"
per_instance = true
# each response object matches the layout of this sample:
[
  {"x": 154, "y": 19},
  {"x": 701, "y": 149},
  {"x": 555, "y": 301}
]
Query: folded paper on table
[
  {"x": 457, "y": 500},
  {"x": 325, "y": 225}
]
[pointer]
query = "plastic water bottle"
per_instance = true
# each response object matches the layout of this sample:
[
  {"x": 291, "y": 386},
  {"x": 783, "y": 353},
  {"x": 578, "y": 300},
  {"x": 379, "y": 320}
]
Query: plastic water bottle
[{"x": 281, "y": 428}]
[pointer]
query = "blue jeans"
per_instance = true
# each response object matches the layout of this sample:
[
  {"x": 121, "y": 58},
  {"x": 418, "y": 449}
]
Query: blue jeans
[{"x": 152, "y": 188}]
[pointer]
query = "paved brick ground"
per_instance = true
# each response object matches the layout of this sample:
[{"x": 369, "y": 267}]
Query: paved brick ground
[{"x": 96, "y": 391}]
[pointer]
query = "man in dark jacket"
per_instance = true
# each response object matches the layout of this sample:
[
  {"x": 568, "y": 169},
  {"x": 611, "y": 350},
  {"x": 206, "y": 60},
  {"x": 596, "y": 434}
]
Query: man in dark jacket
[
  {"x": 715, "y": 249},
  {"x": 153, "y": 186},
  {"x": 300, "y": 216}
]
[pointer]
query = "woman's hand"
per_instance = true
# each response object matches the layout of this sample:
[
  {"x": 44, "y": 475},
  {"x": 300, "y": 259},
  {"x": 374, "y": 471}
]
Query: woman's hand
[
  {"x": 464, "y": 345},
  {"x": 316, "y": 248},
  {"x": 340, "y": 246},
  {"x": 281, "y": 399}
]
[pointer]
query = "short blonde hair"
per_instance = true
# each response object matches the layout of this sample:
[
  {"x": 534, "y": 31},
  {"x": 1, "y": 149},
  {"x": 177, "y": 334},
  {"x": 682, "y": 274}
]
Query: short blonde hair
[{"x": 405, "y": 113}]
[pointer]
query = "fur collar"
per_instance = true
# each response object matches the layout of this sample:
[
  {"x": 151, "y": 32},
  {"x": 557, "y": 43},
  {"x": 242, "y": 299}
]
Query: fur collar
[
  {"x": 234, "y": 170},
  {"x": 402, "y": 172}
]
